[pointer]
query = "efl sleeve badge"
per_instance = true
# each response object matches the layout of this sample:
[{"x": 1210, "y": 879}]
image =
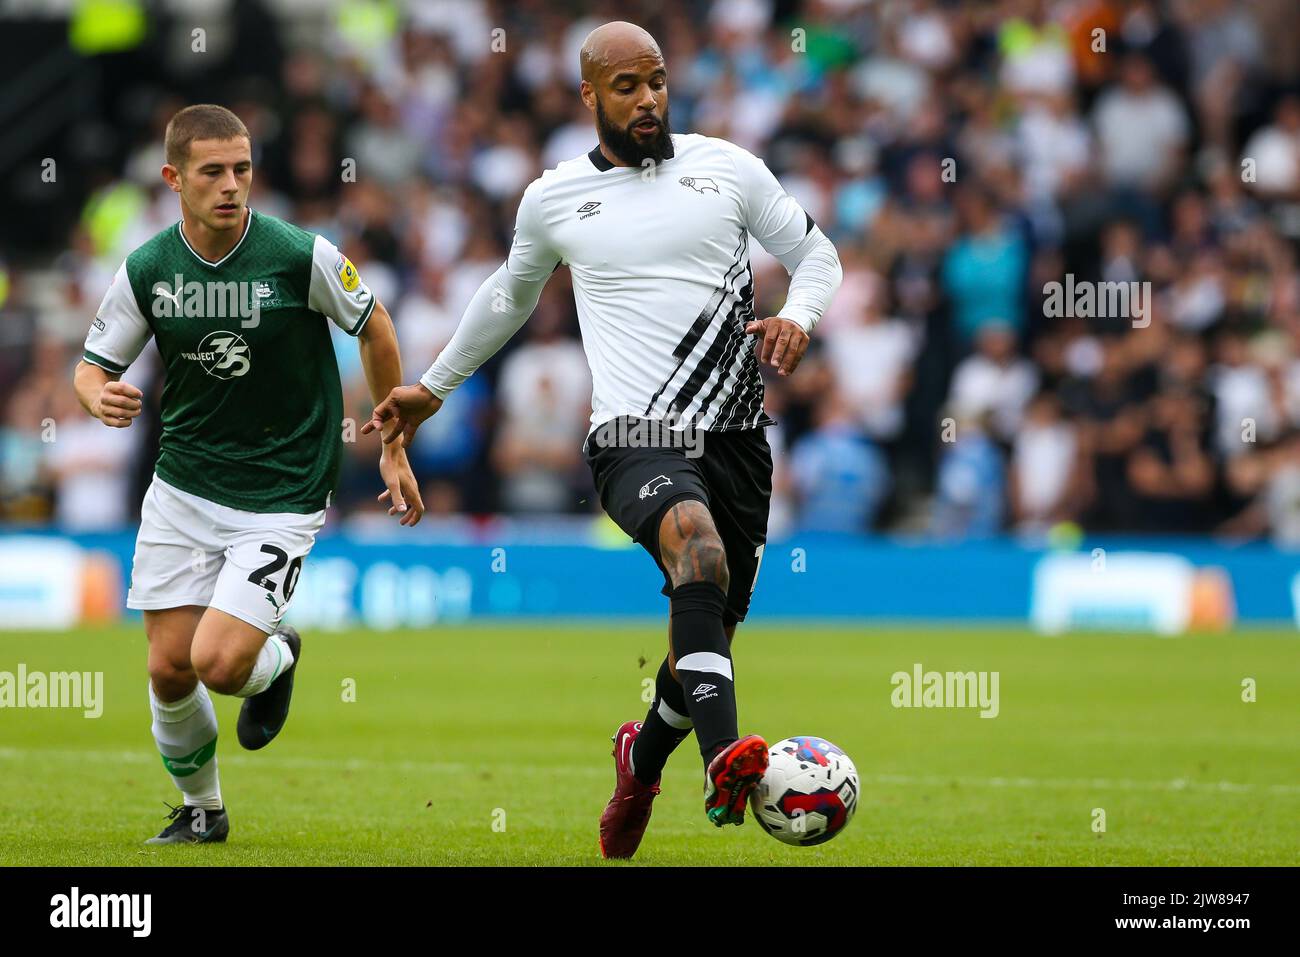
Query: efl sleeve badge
[{"x": 347, "y": 274}]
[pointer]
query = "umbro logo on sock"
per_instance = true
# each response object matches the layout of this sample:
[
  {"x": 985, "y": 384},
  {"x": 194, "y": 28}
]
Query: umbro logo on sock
[{"x": 703, "y": 692}]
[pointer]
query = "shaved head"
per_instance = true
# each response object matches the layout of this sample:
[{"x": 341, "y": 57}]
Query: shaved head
[
  {"x": 625, "y": 85},
  {"x": 612, "y": 43}
]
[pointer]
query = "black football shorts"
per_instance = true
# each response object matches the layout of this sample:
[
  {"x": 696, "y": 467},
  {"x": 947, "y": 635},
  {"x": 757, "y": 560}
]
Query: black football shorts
[{"x": 640, "y": 470}]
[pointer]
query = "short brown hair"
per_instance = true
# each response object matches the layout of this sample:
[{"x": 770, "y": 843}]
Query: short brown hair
[{"x": 203, "y": 121}]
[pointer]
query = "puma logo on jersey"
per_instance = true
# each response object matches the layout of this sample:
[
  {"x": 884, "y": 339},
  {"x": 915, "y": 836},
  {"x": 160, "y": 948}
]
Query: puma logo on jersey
[
  {"x": 653, "y": 486},
  {"x": 700, "y": 184},
  {"x": 162, "y": 290}
]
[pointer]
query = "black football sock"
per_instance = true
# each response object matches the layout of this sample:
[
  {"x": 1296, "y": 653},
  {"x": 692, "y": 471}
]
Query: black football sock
[
  {"x": 666, "y": 725},
  {"x": 704, "y": 664}
]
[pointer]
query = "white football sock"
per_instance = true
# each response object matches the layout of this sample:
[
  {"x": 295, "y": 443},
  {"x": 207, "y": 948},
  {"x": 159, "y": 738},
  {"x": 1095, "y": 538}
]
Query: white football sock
[
  {"x": 186, "y": 733},
  {"x": 273, "y": 660}
]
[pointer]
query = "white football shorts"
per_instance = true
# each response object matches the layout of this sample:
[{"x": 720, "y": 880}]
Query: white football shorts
[{"x": 191, "y": 551}]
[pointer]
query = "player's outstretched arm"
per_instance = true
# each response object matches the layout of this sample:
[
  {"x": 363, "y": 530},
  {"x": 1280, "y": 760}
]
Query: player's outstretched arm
[
  {"x": 405, "y": 407},
  {"x": 105, "y": 396},
  {"x": 501, "y": 305},
  {"x": 503, "y": 302},
  {"x": 382, "y": 363}
]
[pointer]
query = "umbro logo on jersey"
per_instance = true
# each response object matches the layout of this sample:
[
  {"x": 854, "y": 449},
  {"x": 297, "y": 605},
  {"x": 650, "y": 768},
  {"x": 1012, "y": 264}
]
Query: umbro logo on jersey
[
  {"x": 588, "y": 209},
  {"x": 703, "y": 689},
  {"x": 700, "y": 184},
  {"x": 653, "y": 486}
]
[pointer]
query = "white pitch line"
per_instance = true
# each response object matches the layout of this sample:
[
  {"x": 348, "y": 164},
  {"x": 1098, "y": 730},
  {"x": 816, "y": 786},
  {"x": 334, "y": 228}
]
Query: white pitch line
[
  {"x": 322, "y": 764},
  {"x": 598, "y": 769},
  {"x": 1094, "y": 784}
]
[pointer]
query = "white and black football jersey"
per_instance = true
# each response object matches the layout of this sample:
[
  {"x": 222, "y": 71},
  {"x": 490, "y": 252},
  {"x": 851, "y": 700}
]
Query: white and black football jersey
[{"x": 661, "y": 276}]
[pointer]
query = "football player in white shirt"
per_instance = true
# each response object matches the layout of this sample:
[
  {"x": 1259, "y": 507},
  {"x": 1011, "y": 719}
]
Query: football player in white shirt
[{"x": 654, "y": 228}]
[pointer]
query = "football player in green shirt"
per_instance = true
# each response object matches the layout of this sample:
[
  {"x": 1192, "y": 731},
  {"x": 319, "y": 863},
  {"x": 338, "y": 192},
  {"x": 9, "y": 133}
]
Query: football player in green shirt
[{"x": 252, "y": 415}]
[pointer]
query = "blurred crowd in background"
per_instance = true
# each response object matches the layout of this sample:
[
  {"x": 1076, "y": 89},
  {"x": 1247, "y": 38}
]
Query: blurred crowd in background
[{"x": 960, "y": 154}]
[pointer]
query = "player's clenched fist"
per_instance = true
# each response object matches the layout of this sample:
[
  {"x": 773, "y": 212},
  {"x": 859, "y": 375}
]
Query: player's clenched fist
[
  {"x": 782, "y": 342},
  {"x": 406, "y": 407},
  {"x": 118, "y": 404}
]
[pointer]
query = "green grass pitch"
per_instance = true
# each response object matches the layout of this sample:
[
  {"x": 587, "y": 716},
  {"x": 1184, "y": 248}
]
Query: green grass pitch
[{"x": 456, "y": 729}]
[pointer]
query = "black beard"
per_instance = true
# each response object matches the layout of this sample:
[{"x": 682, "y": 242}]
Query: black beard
[{"x": 623, "y": 143}]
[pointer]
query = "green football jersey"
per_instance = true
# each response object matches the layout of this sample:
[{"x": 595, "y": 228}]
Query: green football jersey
[{"x": 252, "y": 407}]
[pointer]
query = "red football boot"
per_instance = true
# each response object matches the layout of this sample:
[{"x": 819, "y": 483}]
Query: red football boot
[
  {"x": 732, "y": 777},
  {"x": 628, "y": 811}
]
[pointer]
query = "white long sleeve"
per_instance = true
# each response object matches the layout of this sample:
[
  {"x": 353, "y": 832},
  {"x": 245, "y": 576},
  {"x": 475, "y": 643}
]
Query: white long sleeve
[
  {"x": 498, "y": 309},
  {"x": 502, "y": 304},
  {"x": 815, "y": 274},
  {"x": 786, "y": 231}
]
